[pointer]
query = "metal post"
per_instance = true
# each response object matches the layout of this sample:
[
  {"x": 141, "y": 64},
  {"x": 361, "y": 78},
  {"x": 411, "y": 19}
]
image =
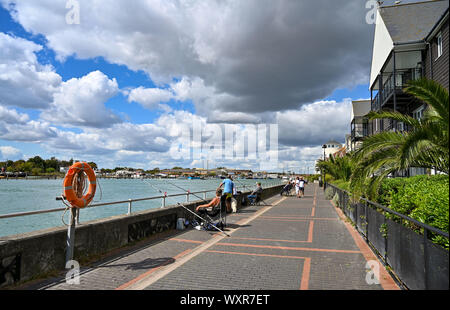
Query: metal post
[
  {"x": 385, "y": 239},
  {"x": 380, "y": 91},
  {"x": 129, "y": 207},
  {"x": 204, "y": 195},
  {"x": 425, "y": 257},
  {"x": 78, "y": 217},
  {"x": 366, "y": 220},
  {"x": 187, "y": 196},
  {"x": 70, "y": 244},
  {"x": 395, "y": 92}
]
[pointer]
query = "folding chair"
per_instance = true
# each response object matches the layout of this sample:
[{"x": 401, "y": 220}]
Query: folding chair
[
  {"x": 257, "y": 200},
  {"x": 216, "y": 214}
]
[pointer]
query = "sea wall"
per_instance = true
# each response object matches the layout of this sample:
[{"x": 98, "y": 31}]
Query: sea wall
[{"x": 32, "y": 255}]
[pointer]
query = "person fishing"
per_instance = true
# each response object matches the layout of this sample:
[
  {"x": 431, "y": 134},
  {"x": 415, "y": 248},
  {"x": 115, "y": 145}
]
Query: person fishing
[
  {"x": 227, "y": 191},
  {"x": 254, "y": 195},
  {"x": 214, "y": 202}
]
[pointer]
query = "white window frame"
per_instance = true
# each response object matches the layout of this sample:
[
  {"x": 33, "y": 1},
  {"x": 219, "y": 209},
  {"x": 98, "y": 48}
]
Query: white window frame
[
  {"x": 439, "y": 45},
  {"x": 418, "y": 113}
]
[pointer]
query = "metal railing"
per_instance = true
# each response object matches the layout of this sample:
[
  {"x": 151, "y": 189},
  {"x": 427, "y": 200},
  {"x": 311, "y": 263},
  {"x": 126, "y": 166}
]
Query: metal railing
[
  {"x": 359, "y": 128},
  {"x": 376, "y": 102},
  {"x": 402, "y": 77},
  {"x": 130, "y": 202},
  {"x": 414, "y": 258}
]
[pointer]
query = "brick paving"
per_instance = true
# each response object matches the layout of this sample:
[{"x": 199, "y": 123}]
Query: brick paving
[{"x": 289, "y": 244}]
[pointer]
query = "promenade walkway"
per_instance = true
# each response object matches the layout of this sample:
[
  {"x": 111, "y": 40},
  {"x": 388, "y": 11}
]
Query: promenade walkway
[{"x": 288, "y": 244}]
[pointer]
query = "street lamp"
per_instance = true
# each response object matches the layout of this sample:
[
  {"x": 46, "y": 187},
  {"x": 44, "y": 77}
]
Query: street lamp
[{"x": 322, "y": 172}]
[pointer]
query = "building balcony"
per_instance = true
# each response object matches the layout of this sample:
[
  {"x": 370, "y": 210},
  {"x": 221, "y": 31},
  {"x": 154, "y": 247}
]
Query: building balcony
[
  {"x": 394, "y": 84},
  {"x": 359, "y": 128}
]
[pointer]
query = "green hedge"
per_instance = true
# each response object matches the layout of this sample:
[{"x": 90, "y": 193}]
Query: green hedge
[{"x": 423, "y": 198}]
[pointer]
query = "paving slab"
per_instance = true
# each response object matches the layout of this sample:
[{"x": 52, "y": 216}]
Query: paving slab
[{"x": 288, "y": 244}]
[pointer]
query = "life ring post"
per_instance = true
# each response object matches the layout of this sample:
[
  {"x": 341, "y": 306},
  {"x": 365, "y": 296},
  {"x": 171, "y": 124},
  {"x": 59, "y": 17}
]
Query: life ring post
[
  {"x": 72, "y": 194},
  {"x": 73, "y": 188},
  {"x": 70, "y": 245}
]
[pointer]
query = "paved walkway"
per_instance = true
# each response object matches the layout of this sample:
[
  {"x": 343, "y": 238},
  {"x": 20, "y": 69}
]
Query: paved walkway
[{"x": 289, "y": 244}]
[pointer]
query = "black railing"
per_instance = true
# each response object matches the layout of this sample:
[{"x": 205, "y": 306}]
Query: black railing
[
  {"x": 402, "y": 77},
  {"x": 359, "y": 128},
  {"x": 412, "y": 256},
  {"x": 376, "y": 102}
]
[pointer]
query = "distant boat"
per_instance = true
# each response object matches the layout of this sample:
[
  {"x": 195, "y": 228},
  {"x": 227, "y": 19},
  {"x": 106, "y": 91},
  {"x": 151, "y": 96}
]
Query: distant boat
[{"x": 194, "y": 178}]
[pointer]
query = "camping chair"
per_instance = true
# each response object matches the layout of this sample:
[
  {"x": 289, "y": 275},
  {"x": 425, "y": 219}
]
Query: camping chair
[
  {"x": 257, "y": 200},
  {"x": 216, "y": 214}
]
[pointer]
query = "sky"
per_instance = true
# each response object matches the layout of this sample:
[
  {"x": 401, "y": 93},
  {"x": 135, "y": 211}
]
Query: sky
[{"x": 128, "y": 83}]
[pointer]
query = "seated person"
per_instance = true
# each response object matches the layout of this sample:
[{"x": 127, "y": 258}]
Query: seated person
[
  {"x": 258, "y": 191},
  {"x": 208, "y": 207}
]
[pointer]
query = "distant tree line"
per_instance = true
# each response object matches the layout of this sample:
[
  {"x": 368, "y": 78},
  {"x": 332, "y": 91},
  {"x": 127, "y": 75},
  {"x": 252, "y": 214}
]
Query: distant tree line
[{"x": 38, "y": 166}]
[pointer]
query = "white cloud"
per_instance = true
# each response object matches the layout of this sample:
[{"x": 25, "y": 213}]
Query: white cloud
[
  {"x": 315, "y": 123},
  {"x": 31, "y": 131},
  {"x": 236, "y": 61},
  {"x": 151, "y": 98},
  {"x": 24, "y": 82},
  {"x": 11, "y": 116},
  {"x": 80, "y": 102},
  {"x": 10, "y": 153},
  {"x": 255, "y": 55}
]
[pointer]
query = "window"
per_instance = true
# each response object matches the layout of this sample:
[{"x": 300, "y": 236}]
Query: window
[
  {"x": 439, "y": 45},
  {"x": 418, "y": 113}
]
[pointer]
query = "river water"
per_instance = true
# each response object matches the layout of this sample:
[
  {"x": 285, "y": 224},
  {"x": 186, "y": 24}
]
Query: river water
[{"x": 32, "y": 195}]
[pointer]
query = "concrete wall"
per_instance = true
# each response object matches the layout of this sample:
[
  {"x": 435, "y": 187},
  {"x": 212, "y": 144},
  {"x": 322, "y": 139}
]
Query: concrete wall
[{"x": 32, "y": 255}]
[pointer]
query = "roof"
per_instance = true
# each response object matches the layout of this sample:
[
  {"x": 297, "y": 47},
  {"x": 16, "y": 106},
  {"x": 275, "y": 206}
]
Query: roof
[
  {"x": 412, "y": 22},
  {"x": 333, "y": 142},
  {"x": 341, "y": 152}
]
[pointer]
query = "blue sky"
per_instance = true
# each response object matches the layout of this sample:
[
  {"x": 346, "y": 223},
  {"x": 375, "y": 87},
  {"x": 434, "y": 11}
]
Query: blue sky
[{"x": 140, "y": 85}]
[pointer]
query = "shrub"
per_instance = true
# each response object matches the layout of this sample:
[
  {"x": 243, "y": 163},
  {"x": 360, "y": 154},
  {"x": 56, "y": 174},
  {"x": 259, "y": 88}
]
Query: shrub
[
  {"x": 345, "y": 185},
  {"x": 423, "y": 198},
  {"x": 336, "y": 200},
  {"x": 329, "y": 193}
]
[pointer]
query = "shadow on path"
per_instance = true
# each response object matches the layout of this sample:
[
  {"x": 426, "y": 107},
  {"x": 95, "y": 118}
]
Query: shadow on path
[{"x": 145, "y": 264}]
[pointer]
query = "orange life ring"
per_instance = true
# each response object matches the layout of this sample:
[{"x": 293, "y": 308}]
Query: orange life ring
[{"x": 69, "y": 192}]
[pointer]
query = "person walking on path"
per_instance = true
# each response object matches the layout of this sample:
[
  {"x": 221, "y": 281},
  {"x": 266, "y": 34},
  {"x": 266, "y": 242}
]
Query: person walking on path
[
  {"x": 227, "y": 191},
  {"x": 297, "y": 187},
  {"x": 301, "y": 185}
]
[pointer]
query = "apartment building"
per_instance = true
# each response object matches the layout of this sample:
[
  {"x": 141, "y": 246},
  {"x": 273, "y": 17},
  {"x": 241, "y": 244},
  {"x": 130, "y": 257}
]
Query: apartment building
[{"x": 410, "y": 42}]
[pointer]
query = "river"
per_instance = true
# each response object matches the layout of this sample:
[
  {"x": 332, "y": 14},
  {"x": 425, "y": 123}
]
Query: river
[{"x": 31, "y": 195}]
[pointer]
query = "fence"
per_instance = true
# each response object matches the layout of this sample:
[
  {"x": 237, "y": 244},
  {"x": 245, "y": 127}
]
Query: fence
[
  {"x": 414, "y": 258},
  {"x": 129, "y": 202}
]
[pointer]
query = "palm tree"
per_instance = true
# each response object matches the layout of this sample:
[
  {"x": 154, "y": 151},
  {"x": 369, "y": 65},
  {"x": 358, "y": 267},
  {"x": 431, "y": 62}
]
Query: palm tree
[
  {"x": 426, "y": 145},
  {"x": 340, "y": 168}
]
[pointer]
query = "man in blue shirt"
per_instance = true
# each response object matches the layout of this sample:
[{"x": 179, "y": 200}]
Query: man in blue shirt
[{"x": 227, "y": 191}]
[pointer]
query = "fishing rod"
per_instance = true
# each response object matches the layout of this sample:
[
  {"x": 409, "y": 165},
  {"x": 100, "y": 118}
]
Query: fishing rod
[
  {"x": 241, "y": 183},
  {"x": 187, "y": 191},
  {"x": 190, "y": 211}
]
